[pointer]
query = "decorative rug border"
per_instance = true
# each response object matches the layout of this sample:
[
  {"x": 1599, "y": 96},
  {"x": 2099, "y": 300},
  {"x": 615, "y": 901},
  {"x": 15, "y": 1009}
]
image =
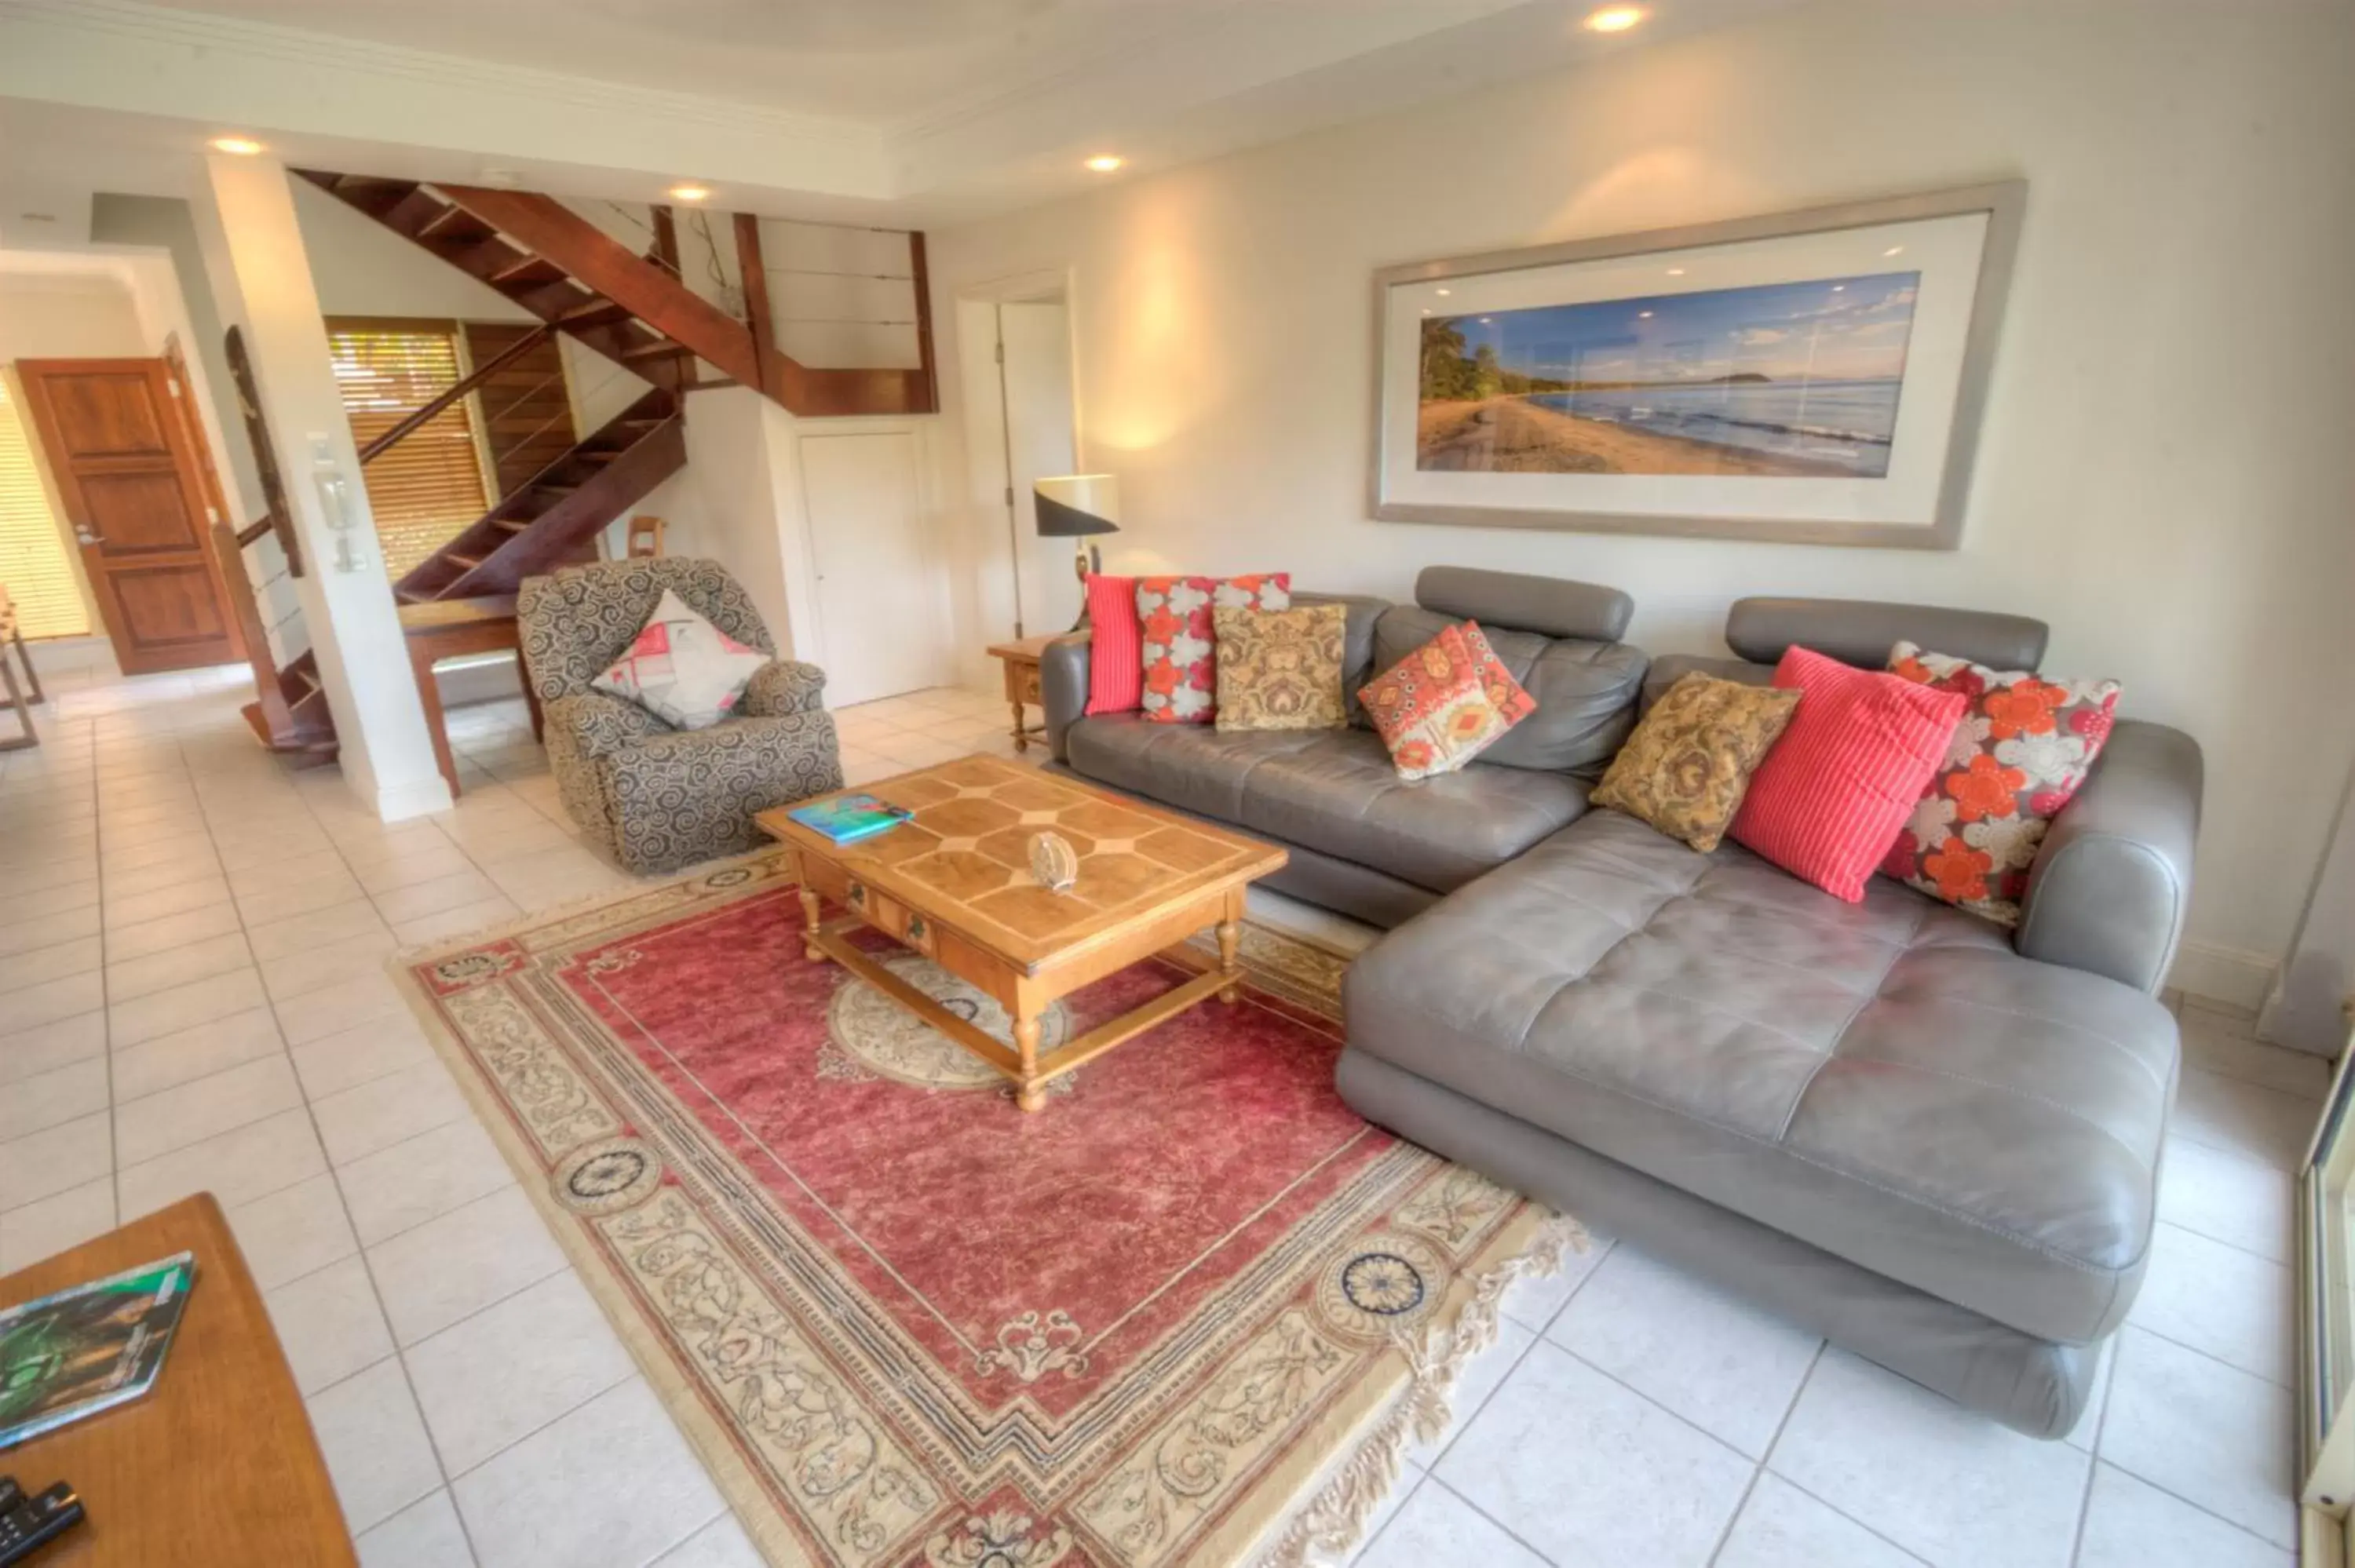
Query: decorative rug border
[{"x": 1367, "y": 1432}]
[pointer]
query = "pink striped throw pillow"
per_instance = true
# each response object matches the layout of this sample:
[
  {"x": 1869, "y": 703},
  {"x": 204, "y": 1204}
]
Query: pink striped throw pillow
[
  {"x": 1116, "y": 651},
  {"x": 1833, "y": 794}
]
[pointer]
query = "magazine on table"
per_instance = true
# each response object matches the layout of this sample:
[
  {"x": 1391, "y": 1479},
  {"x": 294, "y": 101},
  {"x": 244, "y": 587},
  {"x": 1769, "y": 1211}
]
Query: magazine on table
[
  {"x": 87, "y": 1348},
  {"x": 847, "y": 819}
]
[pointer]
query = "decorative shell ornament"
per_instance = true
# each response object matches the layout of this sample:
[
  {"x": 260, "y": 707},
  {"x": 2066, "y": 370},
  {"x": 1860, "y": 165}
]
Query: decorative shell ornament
[{"x": 1054, "y": 861}]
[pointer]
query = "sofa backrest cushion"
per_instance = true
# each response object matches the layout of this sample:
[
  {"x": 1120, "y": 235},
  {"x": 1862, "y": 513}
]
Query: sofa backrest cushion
[
  {"x": 1585, "y": 688},
  {"x": 1550, "y": 607},
  {"x": 1861, "y": 632},
  {"x": 575, "y": 622},
  {"x": 1669, "y": 668},
  {"x": 1358, "y": 665}
]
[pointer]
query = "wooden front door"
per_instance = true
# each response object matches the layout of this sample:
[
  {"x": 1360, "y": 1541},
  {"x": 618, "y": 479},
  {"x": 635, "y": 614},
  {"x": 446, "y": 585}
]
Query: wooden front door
[{"x": 134, "y": 494}]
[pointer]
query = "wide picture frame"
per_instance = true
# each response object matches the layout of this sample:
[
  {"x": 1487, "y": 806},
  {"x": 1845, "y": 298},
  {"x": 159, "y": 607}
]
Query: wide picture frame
[{"x": 1810, "y": 378}]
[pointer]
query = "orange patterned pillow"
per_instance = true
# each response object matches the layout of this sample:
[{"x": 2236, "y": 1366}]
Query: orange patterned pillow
[{"x": 1445, "y": 703}]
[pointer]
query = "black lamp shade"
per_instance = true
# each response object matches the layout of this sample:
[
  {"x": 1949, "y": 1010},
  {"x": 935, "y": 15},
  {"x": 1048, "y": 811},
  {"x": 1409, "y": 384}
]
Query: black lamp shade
[{"x": 1059, "y": 521}]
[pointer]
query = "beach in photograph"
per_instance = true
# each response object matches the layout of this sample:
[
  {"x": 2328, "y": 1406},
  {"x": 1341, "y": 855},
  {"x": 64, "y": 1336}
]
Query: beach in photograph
[{"x": 1783, "y": 379}]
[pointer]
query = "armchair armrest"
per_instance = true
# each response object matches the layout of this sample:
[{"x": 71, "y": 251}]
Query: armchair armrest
[
  {"x": 600, "y": 724},
  {"x": 784, "y": 686},
  {"x": 1063, "y": 687},
  {"x": 2110, "y": 881}
]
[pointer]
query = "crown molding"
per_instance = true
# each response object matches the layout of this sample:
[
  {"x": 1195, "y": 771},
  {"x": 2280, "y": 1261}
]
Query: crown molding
[
  {"x": 335, "y": 95},
  {"x": 233, "y": 37}
]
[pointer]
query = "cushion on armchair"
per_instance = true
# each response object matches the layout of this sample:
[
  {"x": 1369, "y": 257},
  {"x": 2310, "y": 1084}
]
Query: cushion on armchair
[{"x": 681, "y": 668}]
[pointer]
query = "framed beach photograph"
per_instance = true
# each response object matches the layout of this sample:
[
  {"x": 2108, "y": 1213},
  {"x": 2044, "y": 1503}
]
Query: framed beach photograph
[{"x": 1814, "y": 377}]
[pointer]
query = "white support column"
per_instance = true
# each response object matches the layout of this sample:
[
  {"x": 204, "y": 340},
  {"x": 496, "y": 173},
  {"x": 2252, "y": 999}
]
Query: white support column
[{"x": 348, "y": 607}]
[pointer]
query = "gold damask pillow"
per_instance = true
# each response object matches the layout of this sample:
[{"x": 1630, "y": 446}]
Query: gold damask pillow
[
  {"x": 1688, "y": 765},
  {"x": 1280, "y": 669}
]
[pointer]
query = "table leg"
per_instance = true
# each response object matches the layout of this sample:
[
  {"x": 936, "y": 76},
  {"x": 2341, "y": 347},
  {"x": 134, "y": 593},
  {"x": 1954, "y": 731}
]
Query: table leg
[
  {"x": 1230, "y": 941},
  {"x": 809, "y": 924},
  {"x": 31, "y": 675},
  {"x": 1021, "y": 733},
  {"x": 19, "y": 702},
  {"x": 1030, "y": 1094},
  {"x": 420, "y": 667}
]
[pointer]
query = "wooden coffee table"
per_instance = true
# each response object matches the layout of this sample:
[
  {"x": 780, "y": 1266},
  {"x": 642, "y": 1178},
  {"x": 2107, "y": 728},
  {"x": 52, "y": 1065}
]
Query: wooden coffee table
[{"x": 955, "y": 884}]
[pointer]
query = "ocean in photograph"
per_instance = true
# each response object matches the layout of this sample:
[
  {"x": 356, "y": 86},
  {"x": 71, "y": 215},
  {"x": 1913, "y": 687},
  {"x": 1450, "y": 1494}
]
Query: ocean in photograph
[
  {"x": 1846, "y": 423},
  {"x": 1776, "y": 379}
]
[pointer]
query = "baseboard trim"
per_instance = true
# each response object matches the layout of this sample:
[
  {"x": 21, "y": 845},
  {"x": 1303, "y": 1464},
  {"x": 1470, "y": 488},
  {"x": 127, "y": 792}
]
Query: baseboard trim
[
  {"x": 2237, "y": 978},
  {"x": 398, "y": 802}
]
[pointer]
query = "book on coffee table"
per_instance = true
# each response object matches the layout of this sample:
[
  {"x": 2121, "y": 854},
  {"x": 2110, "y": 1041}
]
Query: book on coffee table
[
  {"x": 89, "y": 1348},
  {"x": 847, "y": 819}
]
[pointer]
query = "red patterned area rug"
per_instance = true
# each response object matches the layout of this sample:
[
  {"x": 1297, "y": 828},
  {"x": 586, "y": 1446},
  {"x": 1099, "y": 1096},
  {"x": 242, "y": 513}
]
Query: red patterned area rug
[{"x": 1190, "y": 1313}]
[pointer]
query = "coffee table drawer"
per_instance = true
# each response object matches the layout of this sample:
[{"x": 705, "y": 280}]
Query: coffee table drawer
[{"x": 877, "y": 909}]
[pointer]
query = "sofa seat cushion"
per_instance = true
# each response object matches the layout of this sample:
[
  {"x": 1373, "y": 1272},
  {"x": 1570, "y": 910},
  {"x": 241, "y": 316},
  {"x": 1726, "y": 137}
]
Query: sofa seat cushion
[
  {"x": 1886, "y": 1080},
  {"x": 1332, "y": 790}
]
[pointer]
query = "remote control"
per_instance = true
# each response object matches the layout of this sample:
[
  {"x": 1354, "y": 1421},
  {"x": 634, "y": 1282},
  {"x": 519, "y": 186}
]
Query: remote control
[{"x": 28, "y": 1524}]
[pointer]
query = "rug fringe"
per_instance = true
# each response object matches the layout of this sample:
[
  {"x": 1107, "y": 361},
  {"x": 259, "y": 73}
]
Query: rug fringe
[{"x": 1332, "y": 1521}]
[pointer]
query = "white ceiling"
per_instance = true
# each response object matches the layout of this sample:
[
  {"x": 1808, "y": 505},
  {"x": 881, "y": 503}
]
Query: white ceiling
[
  {"x": 889, "y": 64},
  {"x": 906, "y": 111}
]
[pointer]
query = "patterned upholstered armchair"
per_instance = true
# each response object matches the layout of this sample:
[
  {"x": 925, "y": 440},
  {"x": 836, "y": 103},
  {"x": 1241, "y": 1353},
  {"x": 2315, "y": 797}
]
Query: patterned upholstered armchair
[{"x": 658, "y": 798}]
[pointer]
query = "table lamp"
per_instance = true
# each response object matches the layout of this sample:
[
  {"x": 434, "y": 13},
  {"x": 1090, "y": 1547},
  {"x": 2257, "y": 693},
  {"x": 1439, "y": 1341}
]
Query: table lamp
[{"x": 1074, "y": 505}]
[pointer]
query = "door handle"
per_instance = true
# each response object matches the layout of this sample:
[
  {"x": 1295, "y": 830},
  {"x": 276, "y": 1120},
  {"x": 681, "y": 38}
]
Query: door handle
[{"x": 83, "y": 533}]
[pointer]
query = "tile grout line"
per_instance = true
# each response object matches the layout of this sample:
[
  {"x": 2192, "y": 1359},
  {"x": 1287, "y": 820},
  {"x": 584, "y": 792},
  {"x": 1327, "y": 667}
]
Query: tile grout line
[
  {"x": 1758, "y": 1468},
  {"x": 343, "y": 1201}
]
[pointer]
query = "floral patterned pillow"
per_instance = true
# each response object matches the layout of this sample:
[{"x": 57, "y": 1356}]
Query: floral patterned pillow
[
  {"x": 1280, "y": 669},
  {"x": 2024, "y": 748},
  {"x": 1181, "y": 665},
  {"x": 1445, "y": 703}
]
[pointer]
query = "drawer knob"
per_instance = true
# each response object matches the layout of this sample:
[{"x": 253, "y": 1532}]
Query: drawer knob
[
  {"x": 915, "y": 927},
  {"x": 858, "y": 894}
]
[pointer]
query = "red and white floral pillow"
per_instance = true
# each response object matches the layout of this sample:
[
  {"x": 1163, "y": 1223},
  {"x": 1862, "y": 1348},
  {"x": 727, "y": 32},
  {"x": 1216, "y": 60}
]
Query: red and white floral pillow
[
  {"x": 681, "y": 668},
  {"x": 1180, "y": 654},
  {"x": 2024, "y": 747}
]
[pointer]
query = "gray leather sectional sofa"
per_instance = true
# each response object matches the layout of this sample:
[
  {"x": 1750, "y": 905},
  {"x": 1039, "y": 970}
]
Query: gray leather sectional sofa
[{"x": 1933, "y": 1140}]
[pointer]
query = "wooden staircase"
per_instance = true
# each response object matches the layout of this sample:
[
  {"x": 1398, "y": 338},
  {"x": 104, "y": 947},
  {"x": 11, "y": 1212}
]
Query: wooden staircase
[
  {"x": 552, "y": 517},
  {"x": 583, "y": 283}
]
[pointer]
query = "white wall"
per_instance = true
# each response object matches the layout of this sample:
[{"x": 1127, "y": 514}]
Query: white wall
[
  {"x": 2165, "y": 473},
  {"x": 54, "y": 317}
]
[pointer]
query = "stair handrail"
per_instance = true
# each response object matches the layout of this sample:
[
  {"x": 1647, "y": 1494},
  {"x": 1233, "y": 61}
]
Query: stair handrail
[{"x": 425, "y": 413}]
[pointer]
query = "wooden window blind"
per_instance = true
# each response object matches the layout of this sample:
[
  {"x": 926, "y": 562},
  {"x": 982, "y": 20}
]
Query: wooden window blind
[
  {"x": 426, "y": 488},
  {"x": 34, "y": 566}
]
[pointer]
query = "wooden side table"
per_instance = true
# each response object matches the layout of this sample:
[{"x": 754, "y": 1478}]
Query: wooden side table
[
  {"x": 445, "y": 629},
  {"x": 11, "y": 638},
  {"x": 1021, "y": 662}
]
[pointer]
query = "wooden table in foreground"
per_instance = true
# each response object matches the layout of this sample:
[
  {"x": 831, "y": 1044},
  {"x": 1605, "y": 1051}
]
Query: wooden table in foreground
[
  {"x": 216, "y": 1466},
  {"x": 955, "y": 884}
]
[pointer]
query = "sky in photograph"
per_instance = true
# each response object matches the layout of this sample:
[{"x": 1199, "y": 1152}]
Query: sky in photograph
[{"x": 1834, "y": 328}]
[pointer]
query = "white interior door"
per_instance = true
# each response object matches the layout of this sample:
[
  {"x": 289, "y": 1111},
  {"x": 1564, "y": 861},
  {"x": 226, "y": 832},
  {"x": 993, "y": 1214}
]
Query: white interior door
[
  {"x": 875, "y": 601},
  {"x": 1039, "y": 444}
]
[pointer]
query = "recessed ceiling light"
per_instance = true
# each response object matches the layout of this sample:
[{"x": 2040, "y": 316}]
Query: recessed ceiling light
[
  {"x": 1643, "y": 316},
  {"x": 1441, "y": 292},
  {"x": 1615, "y": 18},
  {"x": 1839, "y": 288},
  {"x": 1105, "y": 162},
  {"x": 243, "y": 146},
  {"x": 1486, "y": 320},
  {"x": 1895, "y": 251},
  {"x": 689, "y": 192},
  {"x": 1676, "y": 272}
]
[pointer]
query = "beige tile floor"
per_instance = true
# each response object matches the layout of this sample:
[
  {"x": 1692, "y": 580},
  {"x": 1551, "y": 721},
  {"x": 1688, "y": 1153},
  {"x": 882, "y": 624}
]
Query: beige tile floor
[{"x": 192, "y": 996}]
